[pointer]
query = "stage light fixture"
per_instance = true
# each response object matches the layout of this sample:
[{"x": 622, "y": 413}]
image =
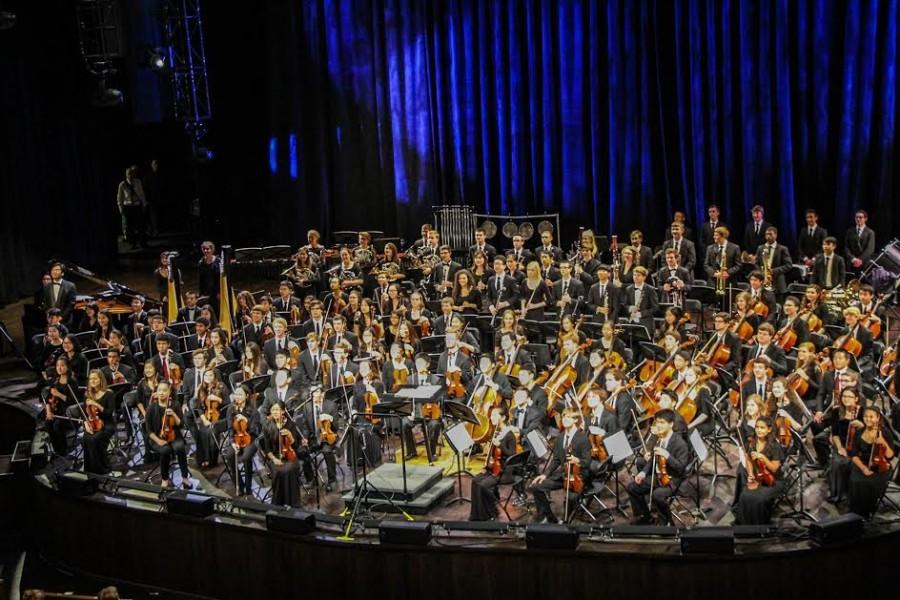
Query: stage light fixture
[
  {"x": 104, "y": 96},
  {"x": 156, "y": 59}
]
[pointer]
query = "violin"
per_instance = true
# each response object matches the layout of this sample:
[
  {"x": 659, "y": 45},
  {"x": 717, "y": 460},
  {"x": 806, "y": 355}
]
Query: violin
[
  {"x": 94, "y": 420},
  {"x": 286, "y": 446},
  {"x": 167, "y": 432},
  {"x": 328, "y": 436},
  {"x": 783, "y": 431},
  {"x": 662, "y": 473},
  {"x": 241, "y": 437},
  {"x": 399, "y": 378},
  {"x": 757, "y": 472},
  {"x": 371, "y": 399},
  {"x": 878, "y": 460},
  {"x": 211, "y": 405},
  {"x": 294, "y": 360},
  {"x": 175, "y": 374},
  {"x": 598, "y": 450},
  {"x": 574, "y": 482},
  {"x": 455, "y": 387}
]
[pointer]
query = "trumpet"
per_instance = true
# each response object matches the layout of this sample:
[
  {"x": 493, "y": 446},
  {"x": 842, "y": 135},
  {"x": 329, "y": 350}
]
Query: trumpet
[{"x": 723, "y": 266}]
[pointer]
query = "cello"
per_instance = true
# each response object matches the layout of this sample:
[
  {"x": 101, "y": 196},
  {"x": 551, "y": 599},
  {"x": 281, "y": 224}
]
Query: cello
[{"x": 483, "y": 400}]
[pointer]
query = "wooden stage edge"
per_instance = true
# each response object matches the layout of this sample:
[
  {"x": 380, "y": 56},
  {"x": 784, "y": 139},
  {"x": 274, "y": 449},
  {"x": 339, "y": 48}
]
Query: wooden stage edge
[{"x": 231, "y": 555}]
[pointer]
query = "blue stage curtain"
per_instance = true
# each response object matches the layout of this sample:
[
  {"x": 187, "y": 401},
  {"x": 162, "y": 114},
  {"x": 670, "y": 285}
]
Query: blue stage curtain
[{"x": 614, "y": 113}]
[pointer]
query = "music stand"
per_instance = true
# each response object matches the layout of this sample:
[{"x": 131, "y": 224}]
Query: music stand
[
  {"x": 803, "y": 457},
  {"x": 459, "y": 439},
  {"x": 653, "y": 351},
  {"x": 383, "y": 410},
  {"x": 707, "y": 296},
  {"x": 412, "y": 396},
  {"x": 257, "y": 384},
  {"x": 636, "y": 333}
]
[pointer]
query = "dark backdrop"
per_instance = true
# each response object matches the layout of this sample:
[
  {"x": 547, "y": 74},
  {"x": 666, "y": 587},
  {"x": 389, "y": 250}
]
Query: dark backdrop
[{"x": 365, "y": 113}]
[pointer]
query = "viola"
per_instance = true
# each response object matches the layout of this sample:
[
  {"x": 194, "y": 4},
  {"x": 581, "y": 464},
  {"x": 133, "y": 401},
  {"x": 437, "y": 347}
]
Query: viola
[
  {"x": 455, "y": 387},
  {"x": 167, "y": 432},
  {"x": 328, "y": 436},
  {"x": 241, "y": 437},
  {"x": 175, "y": 374},
  {"x": 598, "y": 450},
  {"x": 211, "y": 405},
  {"x": 371, "y": 399},
  {"x": 94, "y": 420},
  {"x": 574, "y": 482},
  {"x": 662, "y": 472},
  {"x": 286, "y": 444}
]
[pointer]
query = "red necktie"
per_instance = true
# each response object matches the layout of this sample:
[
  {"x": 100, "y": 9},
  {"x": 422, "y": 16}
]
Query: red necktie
[{"x": 165, "y": 367}]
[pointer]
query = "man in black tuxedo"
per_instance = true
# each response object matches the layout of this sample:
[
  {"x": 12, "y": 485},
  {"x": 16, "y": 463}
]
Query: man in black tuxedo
[
  {"x": 568, "y": 290},
  {"x": 586, "y": 266},
  {"x": 200, "y": 337},
  {"x": 255, "y": 329},
  {"x": 309, "y": 422},
  {"x": 643, "y": 255},
  {"x": 524, "y": 415},
  {"x": 709, "y": 227},
  {"x": 431, "y": 428},
  {"x": 759, "y": 293},
  {"x": 286, "y": 299},
  {"x": 522, "y": 254},
  {"x": 679, "y": 217},
  {"x": 619, "y": 399},
  {"x": 687, "y": 252},
  {"x": 453, "y": 358},
  {"x": 777, "y": 258},
  {"x": 342, "y": 336},
  {"x": 641, "y": 300},
  {"x": 810, "y": 239},
  {"x": 316, "y": 321},
  {"x": 481, "y": 244},
  {"x": 193, "y": 377},
  {"x": 115, "y": 371},
  {"x": 422, "y": 241},
  {"x": 342, "y": 368},
  {"x": 535, "y": 392},
  {"x": 603, "y": 299},
  {"x": 829, "y": 269},
  {"x": 190, "y": 311},
  {"x": 441, "y": 323},
  {"x": 674, "y": 277},
  {"x": 714, "y": 253},
  {"x": 440, "y": 278},
  {"x": 572, "y": 447},
  {"x": 674, "y": 449},
  {"x": 547, "y": 247},
  {"x": 59, "y": 293},
  {"x": 724, "y": 337},
  {"x": 502, "y": 290},
  {"x": 859, "y": 243},
  {"x": 764, "y": 347},
  {"x": 165, "y": 357},
  {"x": 509, "y": 355},
  {"x": 136, "y": 322},
  {"x": 755, "y": 231},
  {"x": 549, "y": 273}
]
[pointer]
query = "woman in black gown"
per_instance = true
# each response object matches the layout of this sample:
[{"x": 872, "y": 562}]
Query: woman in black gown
[
  {"x": 754, "y": 499},
  {"x": 845, "y": 423},
  {"x": 534, "y": 293},
  {"x": 60, "y": 396},
  {"x": 212, "y": 393},
  {"x": 484, "y": 485},
  {"x": 166, "y": 406},
  {"x": 868, "y": 475},
  {"x": 466, "y": 297},
  {"x": 280, "y": 433},
  {"x": 100, "y": 398}
]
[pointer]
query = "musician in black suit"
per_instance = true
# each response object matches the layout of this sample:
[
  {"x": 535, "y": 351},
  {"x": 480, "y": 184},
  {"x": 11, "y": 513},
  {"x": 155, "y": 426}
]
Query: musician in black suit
[
  {"x": 764, "y": 347},
  {"x": 776, "y": 258},
  {"x": 431, "y": 428},
  {"x": 861, "y": 335},
  {"x": 586, "y": 265},
  {"x": 58, "y": 293},
  {"x": 165, "y": 357},
  {"x": 603, "y": 299},
  {"x": 136, "y": 322},
  {"x": 547, "y": 247},
  {"x": 502, "y": 290},
  {"x": 643, "y": 255},
  {"x": 549, "y": 273},
  {"x": 310, "y": 423},
  {"x": 859, "y": 243},
  {"x": 310, "y": 364},
  {"x": 684, "y": 248},
  {"x": 190, "y": 311},
  {"x": 674, "y": 449},
  {"x": 707, "y": 230},
  {"x": 829, "y": 269},
  {"x": 440, "y": 278},
  {"x": 870, "y": 307},
  {"x": 619, "y": 399},
  {"x": 342, "y": 370},
  {"x": 755, "y": 231},
  {"x": 723, "y": 337},
  {"x": 827, "y": 396},
  {"x": 280, "y": 341},
  {"x": 758, "y": 293},
  {"x": 453, "y": 358},
  {"x": 256, "y": 328},
  {"x": 282, "y": 392},
  {"x": 714, "y": 253},
  {"x": 200, "y": 338},
  {"x": 441, "y": 323},
  {"x": 524, "y": 415},
  {"x": 509, "y": 354},
  {"x": 572, "y": 448},
  {"x": 674, "y": 277},
  {"x": 422, "y": 241},
  {"x": 810, "y": 239},
  {"x": 115, "y": 371},
  {"x": 520, "y": 253},
  {"x": 286, "y": 299},
  {"x": 480, "y": 244},
  {"x": 535, "y": 392},
  {"x": 679, "y": 217},
  {"x": 316, "y": 321},
  {"x": 791, "y": 308},
  {"x": 641, "y": 300},
  {"x": 568, "y": 290},
  {"x": 342, "y": 336}
]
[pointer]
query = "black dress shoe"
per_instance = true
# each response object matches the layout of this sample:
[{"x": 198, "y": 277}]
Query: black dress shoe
[{"x": 410, "y": 455}]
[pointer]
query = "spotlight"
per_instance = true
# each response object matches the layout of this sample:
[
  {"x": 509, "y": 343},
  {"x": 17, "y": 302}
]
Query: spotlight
[
  {"x": 104, "y": 97},
  {"x": 156, "y": 59},
  {"x": 7, "y": 19}
]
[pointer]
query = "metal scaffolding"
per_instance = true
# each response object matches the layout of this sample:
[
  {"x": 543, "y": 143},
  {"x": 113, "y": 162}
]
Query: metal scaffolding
[{"x": 183, "y": 27}]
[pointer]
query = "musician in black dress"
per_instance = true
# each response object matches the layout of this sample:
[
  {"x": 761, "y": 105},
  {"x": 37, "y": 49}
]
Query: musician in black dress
[
  {"x": 211, "y": 398},
  {"x": 98, "y": 397},
  {"x": 166, "y": 407},
  {"x": 465, "y": 294},
  {"x": 845, "y": 424},
  {"x": 871, "y": 457},
  {"x": 278, "y": 434},
  {"x": 233, "y": 455},
  {"x": 484, "y": 485},
  {"x": 533, "y": 294},
  {"x": 60, "y": 397},
  {"x": 754, "y": 498},
  {"x": 572, "y": 448}
]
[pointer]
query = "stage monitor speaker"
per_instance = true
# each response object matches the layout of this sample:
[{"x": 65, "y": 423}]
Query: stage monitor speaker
[
  {"x": 183, "y": 502},
  {"x": 708, "y": 540},
  {"x": 76, "y": 483},
  {"x": 550, "y": 536},
  {"x": 404, "y": 533},
  {"x": 297, "y": 522},
  {"x": 836, "y": 529}
]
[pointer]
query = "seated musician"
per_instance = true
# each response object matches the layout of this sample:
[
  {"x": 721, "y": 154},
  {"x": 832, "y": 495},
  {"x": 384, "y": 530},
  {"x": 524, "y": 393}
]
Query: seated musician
[
  {"x": 158, "y": 329},
  {"x": 846, "y": 423},
  {"x": 283, "y": 392},
  {"x": 871, "y": 311},
  {"x": 280, "y": 341},
  {"x": 855, "y": 331},
  {"x": 759, "y": 382},
  {"x": 579, "y": 362},
  {"x": 431, "y": 428},
  {"x": 334, "y": 301},
  {"x": 219, "y": 352},
  {"x": 349, "y": 272},
  {"x": 253, "y": 364},
  {"x": 568, "y": 329},
  {"x": 619, "y": 399},
  {"x": 441, "y": 323},
  {"x": 641, "y": 300},
  {"x": 512, "y": 355},
  {"x": 672, "y": 321},
  {"x": 572, "y": 448},
  {"x": 465, "y": 338},
  {"x": 498, "y": 379},
  {"x": 602, "y": 423},
  {"x": 367, "y": 391},
  {"x": 535, "y": 392},
  {"x": 166, "y": 359},
  {"x": 200, "y": 337},
  {"x": 235, "y": 455},
  {"x": 666, "y": 459},
  {"x": 668, "y": 400},
  {"x": 790, "y": 414},
  {"x": 422, "y": 241},
  {"x": 390, "y": 263},
  {"x": 419, "y": 314},
  {"x": 165, "y": 407},
  {"x": 97, "y": 397},
  {"x": 791, "y": 321},
  {"x": 609, "y": 341},
  {"x": 278, "y": 434},
  {"x": 287, "y": 302},
  {"x": 342, "y": 336},
  {"x": 674, "y": 280},
  {"x": 314, "y": 247},
  {"x": 502, "y": 289},
  {"x": 317, "y": 422},
  {"x": 759, "y": 478},
  {"x": 754, "y": 408},
  {"x": 484, "y": 485},
  {"x": 341, "y": 371},
  {"x": 115, "y": 371},
  {"x": 723, "y": 338},
  {"x": 514, "y": 268},
  {"x": 873, "y": 450},
  {"x": 759, "y": 294},
  {"x": 398, "y": 371},
  {"x": 603, "y": 297},
  {"x": 395, "y": 301},
  {"x": 549, "y": 273},
  {"x": 371, "y": 347},
  {"x": 524, "y": 415},
  {"x": 696, "y": 388},
  {"x": 807, "y": 370},
  {"x": 509, "y": 324},
  {"x": 765, "y": 348}
]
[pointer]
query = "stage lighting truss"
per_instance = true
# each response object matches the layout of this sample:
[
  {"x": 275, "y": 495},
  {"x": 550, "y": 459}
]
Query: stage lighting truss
[{"x": 100, "y": 41}]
